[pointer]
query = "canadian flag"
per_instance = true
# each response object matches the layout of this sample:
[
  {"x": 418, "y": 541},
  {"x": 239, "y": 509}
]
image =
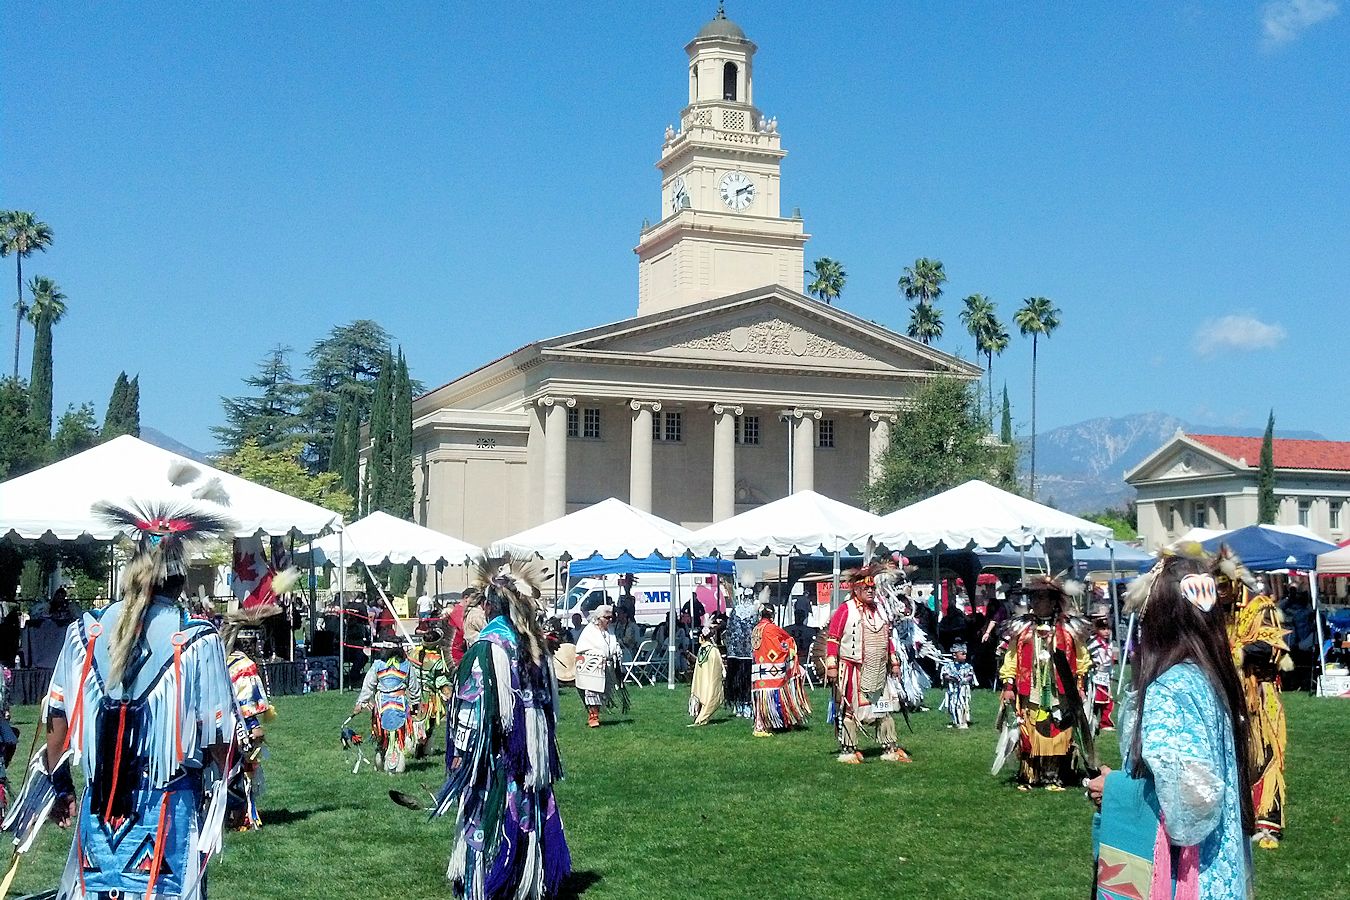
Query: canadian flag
[{"x": 253, "y": 579}]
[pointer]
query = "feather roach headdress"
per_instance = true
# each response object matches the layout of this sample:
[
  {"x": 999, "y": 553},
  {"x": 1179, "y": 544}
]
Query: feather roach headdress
[
  {"x": 511, "y": 585},
  {"x": 167, "y": 528},
  {"x": 245, "y": 624}
]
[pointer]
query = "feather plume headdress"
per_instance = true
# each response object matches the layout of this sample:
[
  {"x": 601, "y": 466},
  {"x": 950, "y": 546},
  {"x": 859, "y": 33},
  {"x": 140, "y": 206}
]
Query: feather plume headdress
[
  {"x": 240, "y": 624},
  {"x": 512, "y": 584},
  {"x": 167, "y": 528},
  {"x": 1201, "y": 590}
]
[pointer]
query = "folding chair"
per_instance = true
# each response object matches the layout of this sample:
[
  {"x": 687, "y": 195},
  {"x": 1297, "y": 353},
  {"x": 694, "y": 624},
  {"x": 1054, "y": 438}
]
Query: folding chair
[{"x": 639, "y": 669}]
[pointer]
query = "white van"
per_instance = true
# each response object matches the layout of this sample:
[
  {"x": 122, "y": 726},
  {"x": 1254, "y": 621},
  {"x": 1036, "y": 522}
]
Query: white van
[{"x": 651, "y": 593}]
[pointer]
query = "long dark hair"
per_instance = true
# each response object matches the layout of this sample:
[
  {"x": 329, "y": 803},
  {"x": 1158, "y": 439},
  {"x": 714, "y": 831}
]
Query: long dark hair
[{"x": 1172, "y": 630}]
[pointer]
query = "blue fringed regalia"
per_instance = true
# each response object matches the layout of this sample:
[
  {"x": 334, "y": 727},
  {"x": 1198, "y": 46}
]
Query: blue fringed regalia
[
  {"x": 502, "y": 755},
  {"x": 146, "y": 821}
]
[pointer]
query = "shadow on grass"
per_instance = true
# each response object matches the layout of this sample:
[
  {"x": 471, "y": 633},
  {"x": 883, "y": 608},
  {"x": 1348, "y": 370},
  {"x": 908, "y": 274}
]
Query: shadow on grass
[
  {"x": 577, "y": 884},
  {"x": 287, "y": 816}
]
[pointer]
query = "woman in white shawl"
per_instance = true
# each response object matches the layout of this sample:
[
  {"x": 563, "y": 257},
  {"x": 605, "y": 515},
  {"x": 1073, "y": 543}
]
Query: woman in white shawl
[{"x": 598, "y": 658}]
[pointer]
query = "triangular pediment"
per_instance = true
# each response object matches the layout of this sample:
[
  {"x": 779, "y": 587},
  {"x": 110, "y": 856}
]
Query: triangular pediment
[
  {"x": 775, "y": 328},
  {"x": 1182, "y": 457}
]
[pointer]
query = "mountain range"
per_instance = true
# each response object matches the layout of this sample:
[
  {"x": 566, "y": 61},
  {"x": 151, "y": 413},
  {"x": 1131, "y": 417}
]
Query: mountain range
[{"x": 1080, "y": 468}]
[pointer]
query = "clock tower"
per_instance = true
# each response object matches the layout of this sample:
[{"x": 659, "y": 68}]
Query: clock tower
[{"x": 721, "y": 229}]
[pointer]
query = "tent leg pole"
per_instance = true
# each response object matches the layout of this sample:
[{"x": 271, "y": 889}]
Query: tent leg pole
[
  {"x": 1317, "y": 621},
  {"x": 670, "y": 629},
  {"x": 1115, "y": 599},
  {"x": 342, "y": 616}
]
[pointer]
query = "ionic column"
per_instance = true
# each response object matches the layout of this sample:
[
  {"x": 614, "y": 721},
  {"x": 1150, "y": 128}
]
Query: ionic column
[
  {"x": 878, "y": 441},
  {"x": 724, "y": 460},
  {"x": 555, "y": 455},
  {"x": 804, "y": 449},
  {"x": 640, "y": 456}
]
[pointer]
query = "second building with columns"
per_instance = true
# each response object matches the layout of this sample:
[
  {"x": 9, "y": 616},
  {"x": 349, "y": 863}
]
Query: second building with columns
[{"x": 694, "y": 414}]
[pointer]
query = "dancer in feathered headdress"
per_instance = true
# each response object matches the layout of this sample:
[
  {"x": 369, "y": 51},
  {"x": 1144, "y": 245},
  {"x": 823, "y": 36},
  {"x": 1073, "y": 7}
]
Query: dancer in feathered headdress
[
  {"x": 502, "y": 753},
  {"x": 862, "y": 665},
  {"x": 1260, "y": 647},
  {"x": 1045, "y": 664},
  {"x": 242, "y": 636},
  {"x": 141, "y": 699}
]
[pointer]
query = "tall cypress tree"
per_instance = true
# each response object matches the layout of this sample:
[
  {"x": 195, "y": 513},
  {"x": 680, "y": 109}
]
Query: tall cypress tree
[
  {"x": 113, "y": 417},
  {"x": 379, "y": 463},
  {"x": 401, "y": 493},
  {"x": 351, "y": 456},
  {"x": 132, "y": 415},
  {"x": 337, "y": 454},
  {"x": 40, "y": 382},
  {"x": 1267, "y": 509},
  {"x": 1005, "y": 432}
]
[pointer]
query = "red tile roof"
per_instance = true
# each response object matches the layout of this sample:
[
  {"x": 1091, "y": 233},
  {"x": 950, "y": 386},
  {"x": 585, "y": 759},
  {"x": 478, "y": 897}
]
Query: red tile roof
[{"x": 1289, "y": 454}]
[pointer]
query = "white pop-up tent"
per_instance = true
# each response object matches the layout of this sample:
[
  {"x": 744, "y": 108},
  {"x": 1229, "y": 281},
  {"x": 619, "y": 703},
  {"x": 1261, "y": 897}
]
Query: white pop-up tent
[
  {"x": 53, "y": 503},
  {"x": 608, "y": 529},
  {"x": 382, "y": 538},
  {"x": 976, "y": 514},
  {"x": 805, "y": 522}
]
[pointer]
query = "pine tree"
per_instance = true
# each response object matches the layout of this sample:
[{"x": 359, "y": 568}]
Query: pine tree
[
  {"x": 379, "y": 462},
  {"x": 113, "y": 418},
  {"x": 1005, "y": 432},
  {"x": 401, "y": 493},
  {"x": 271, "y": 417},
  {"x": 1268, "y": 509}
]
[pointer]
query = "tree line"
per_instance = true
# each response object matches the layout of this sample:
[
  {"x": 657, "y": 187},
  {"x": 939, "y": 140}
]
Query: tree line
[{"x": 922, "y": 285}]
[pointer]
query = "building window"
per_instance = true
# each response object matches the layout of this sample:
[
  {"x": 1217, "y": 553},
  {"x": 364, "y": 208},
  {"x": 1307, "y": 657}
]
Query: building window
[
  {"x": 825, "y": 433},
  {"x": 668, "y": 426},
  {"x": 1304, "y": 512},
  {"x": 747, "y": 429},
  {"x": 1198, "y": 514},
  {"x": 1335, "y": 513},
  {"x": 573, "y": 423},
  {"x": 590, "y": 422}
]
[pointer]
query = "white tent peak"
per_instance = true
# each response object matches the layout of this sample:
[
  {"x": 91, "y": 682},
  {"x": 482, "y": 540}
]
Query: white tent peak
[
  {"x": 804, "y": 522},
  {"x": 381, "y": 538},
  {"x": 609, "y": 528},
  {"x": 53, "y": 503},
  {"x": 976, "y": 514}
]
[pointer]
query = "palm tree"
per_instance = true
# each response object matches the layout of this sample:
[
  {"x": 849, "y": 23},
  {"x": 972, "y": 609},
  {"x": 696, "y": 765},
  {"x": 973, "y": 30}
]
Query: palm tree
[
  {"x": 977, "y": 316},
  {"x": 21, "y": 233},
  {"x": 995, "y": 342},
  {"x": 48, "y": 307},
  {"x": 925, "y": 323},
  {"x": 1038, "y": 316},
  {"x": 922, "y": 284},
  {"x": 829, "y": 279}
]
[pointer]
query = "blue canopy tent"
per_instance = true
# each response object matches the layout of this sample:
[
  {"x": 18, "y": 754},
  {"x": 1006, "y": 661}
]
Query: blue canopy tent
[
  {"x": 1265, "y": 550},
  {"x": 598, "y": 565}
]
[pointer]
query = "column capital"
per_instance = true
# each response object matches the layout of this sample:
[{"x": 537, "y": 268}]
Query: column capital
[
  {"x": 552, "y": 399},
  {"x": 734, "y": 408},
  {"x": 888, "y": 418},
  {"x": 637, "y": 405},
  {"x": 799, "y": 412}
]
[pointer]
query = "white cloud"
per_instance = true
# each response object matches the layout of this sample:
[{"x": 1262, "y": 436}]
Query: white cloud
[
  {"x": 1237, "y": 333},
  {"x": 1282, "y": 21}
]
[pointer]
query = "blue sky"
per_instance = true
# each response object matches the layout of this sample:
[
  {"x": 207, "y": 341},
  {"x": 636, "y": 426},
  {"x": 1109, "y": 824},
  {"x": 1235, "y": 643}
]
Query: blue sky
[{"x": 473, "y": 176}]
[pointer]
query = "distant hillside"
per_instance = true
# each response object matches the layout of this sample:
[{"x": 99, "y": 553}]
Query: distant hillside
[
  {"x": 164, "y": 442},
  {"x": 1081, "y": 467}
]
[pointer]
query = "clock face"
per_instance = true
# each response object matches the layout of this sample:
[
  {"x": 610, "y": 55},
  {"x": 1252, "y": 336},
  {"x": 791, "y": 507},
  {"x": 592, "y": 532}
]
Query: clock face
[
  {"x": 679, "y": 194},
  {"x": 737, "y": 190}
]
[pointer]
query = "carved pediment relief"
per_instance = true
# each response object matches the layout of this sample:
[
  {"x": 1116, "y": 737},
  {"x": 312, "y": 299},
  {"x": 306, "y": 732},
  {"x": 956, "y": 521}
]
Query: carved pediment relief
[
  {"x": 770, "y": 336},
  {"x": 1188, "y": 463}
]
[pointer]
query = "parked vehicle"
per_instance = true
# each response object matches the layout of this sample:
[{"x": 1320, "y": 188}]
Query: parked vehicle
[{"x": 651, "y": 595}]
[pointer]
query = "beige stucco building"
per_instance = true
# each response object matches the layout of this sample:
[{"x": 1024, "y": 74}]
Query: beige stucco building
[
  {"x": 1210, "y": 481},
  {"x": 728, "y": 389}
]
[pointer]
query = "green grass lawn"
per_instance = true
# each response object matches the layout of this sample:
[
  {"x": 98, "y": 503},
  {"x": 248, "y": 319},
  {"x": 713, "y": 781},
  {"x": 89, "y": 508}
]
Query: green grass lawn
[{"x": 653, "y": 810}]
